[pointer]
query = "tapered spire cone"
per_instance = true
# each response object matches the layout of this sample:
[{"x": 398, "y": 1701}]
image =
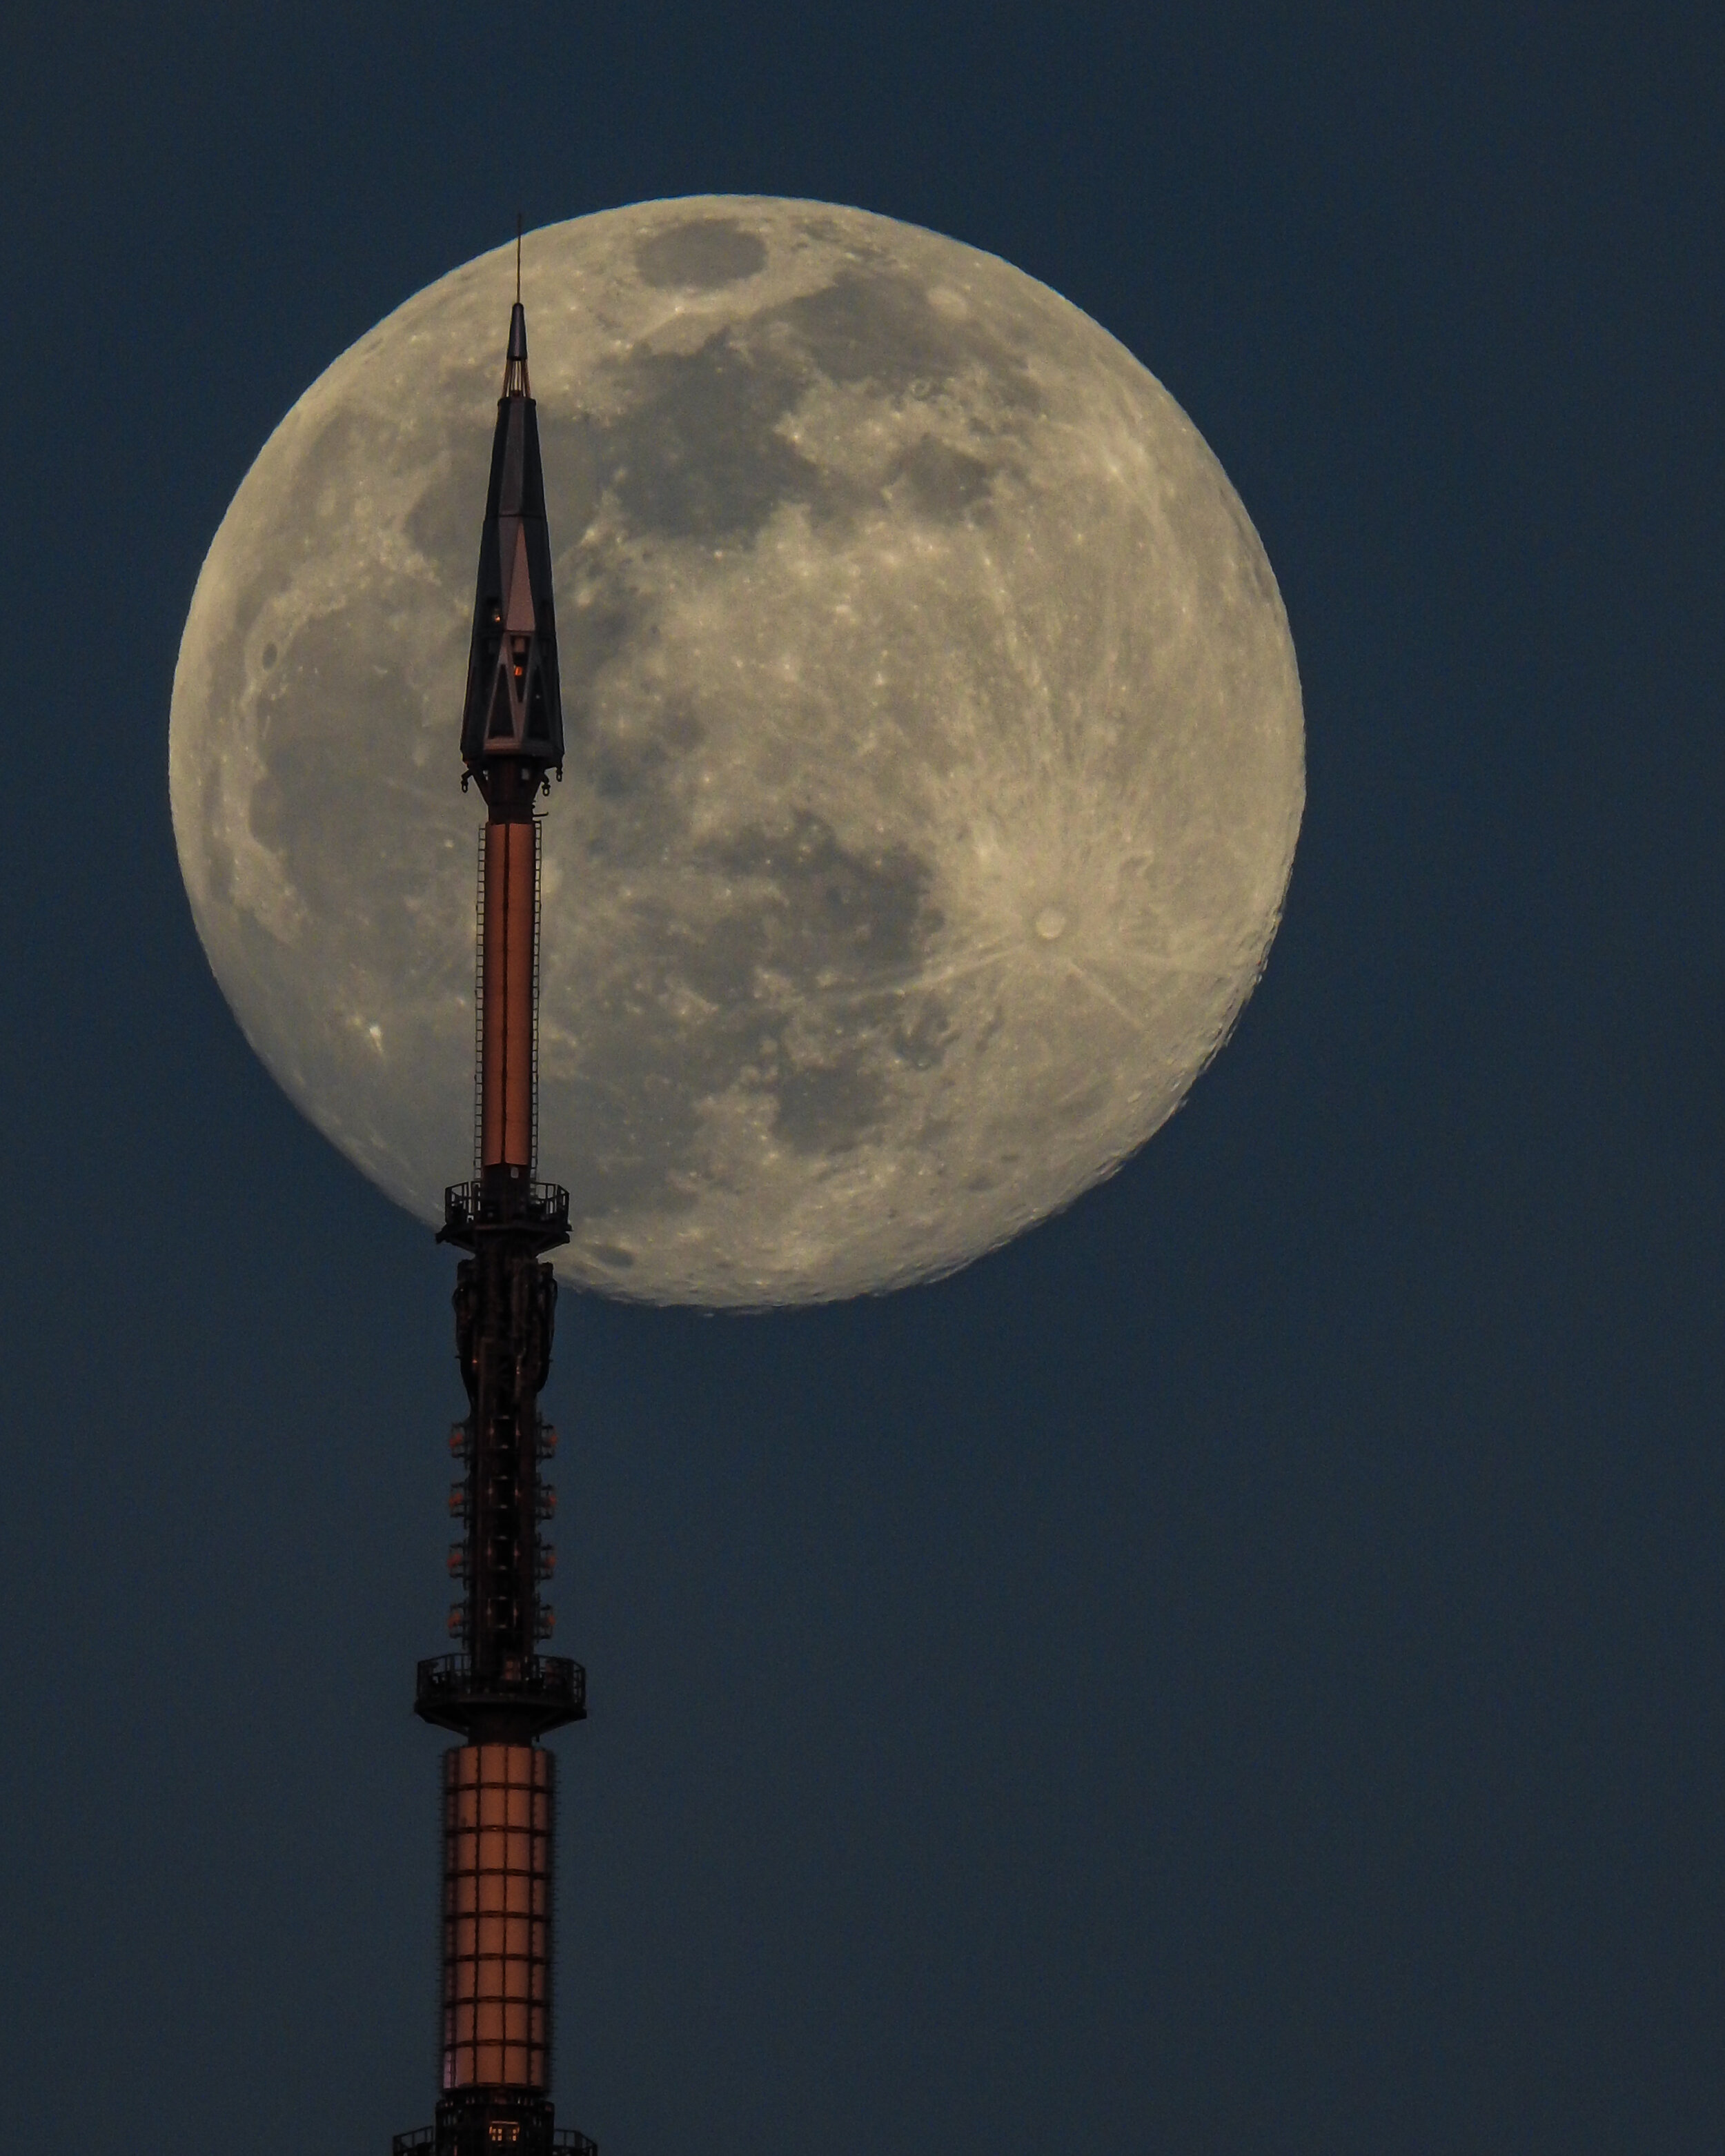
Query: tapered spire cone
[{"x": 514, "y": 713}]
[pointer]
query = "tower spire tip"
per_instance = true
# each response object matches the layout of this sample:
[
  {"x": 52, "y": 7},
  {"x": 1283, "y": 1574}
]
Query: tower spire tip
[{"x": 515, "y": 371}]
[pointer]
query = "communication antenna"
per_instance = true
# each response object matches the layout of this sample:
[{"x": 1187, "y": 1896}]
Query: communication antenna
[
  {"x": 497, "y": 1692},
  {"x": 518, "y": 258}
]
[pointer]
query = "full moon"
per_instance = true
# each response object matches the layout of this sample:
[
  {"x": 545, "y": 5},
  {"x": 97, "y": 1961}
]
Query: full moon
[{"x": 935, "y": 750}]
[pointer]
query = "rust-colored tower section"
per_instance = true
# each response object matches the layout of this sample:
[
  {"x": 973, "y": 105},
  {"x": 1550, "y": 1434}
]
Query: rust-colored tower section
[{"x": 497, "y": 1692}]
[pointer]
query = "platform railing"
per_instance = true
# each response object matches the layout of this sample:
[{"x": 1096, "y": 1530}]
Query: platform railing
[
  {"x": 564, "y": 2141},
  {"x": 549, "y": 1677},
  {"x": 537, "y": 1204}
]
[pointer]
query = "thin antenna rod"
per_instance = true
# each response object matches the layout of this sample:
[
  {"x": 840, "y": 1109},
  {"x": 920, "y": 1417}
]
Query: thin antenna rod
[{"x": 517, "y": 258}]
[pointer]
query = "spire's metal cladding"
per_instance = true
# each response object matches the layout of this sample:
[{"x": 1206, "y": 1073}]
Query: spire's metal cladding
[{"x": 497, "y": 1692}]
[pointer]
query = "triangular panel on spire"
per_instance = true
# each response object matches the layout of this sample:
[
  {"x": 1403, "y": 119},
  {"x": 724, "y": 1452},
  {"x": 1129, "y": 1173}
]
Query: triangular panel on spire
[
  {"x": 502, "y": 724},
  {"x": 520, "y": 619}
]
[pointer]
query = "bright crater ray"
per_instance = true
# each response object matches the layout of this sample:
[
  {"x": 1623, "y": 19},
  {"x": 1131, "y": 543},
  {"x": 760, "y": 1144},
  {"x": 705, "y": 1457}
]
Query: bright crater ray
[{"x": 934, "y": 764}]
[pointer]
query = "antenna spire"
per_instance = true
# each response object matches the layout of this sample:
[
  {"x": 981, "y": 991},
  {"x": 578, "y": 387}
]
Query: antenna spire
[
  {"x": 497, "y": 1692},
  {"x": 518, "y": 221}
]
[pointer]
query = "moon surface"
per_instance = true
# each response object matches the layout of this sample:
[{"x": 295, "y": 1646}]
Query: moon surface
[{"x": 935, "y": 748}]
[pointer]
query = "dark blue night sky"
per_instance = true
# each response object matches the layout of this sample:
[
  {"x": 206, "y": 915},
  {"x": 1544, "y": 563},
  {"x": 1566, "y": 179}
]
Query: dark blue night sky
[{"x": 1241, "y": 1670}]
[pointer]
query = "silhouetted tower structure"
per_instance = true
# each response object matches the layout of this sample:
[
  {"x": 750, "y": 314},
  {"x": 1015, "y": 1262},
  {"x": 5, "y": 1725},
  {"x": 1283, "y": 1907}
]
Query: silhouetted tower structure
[{"x": 498, "y": 1692}]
